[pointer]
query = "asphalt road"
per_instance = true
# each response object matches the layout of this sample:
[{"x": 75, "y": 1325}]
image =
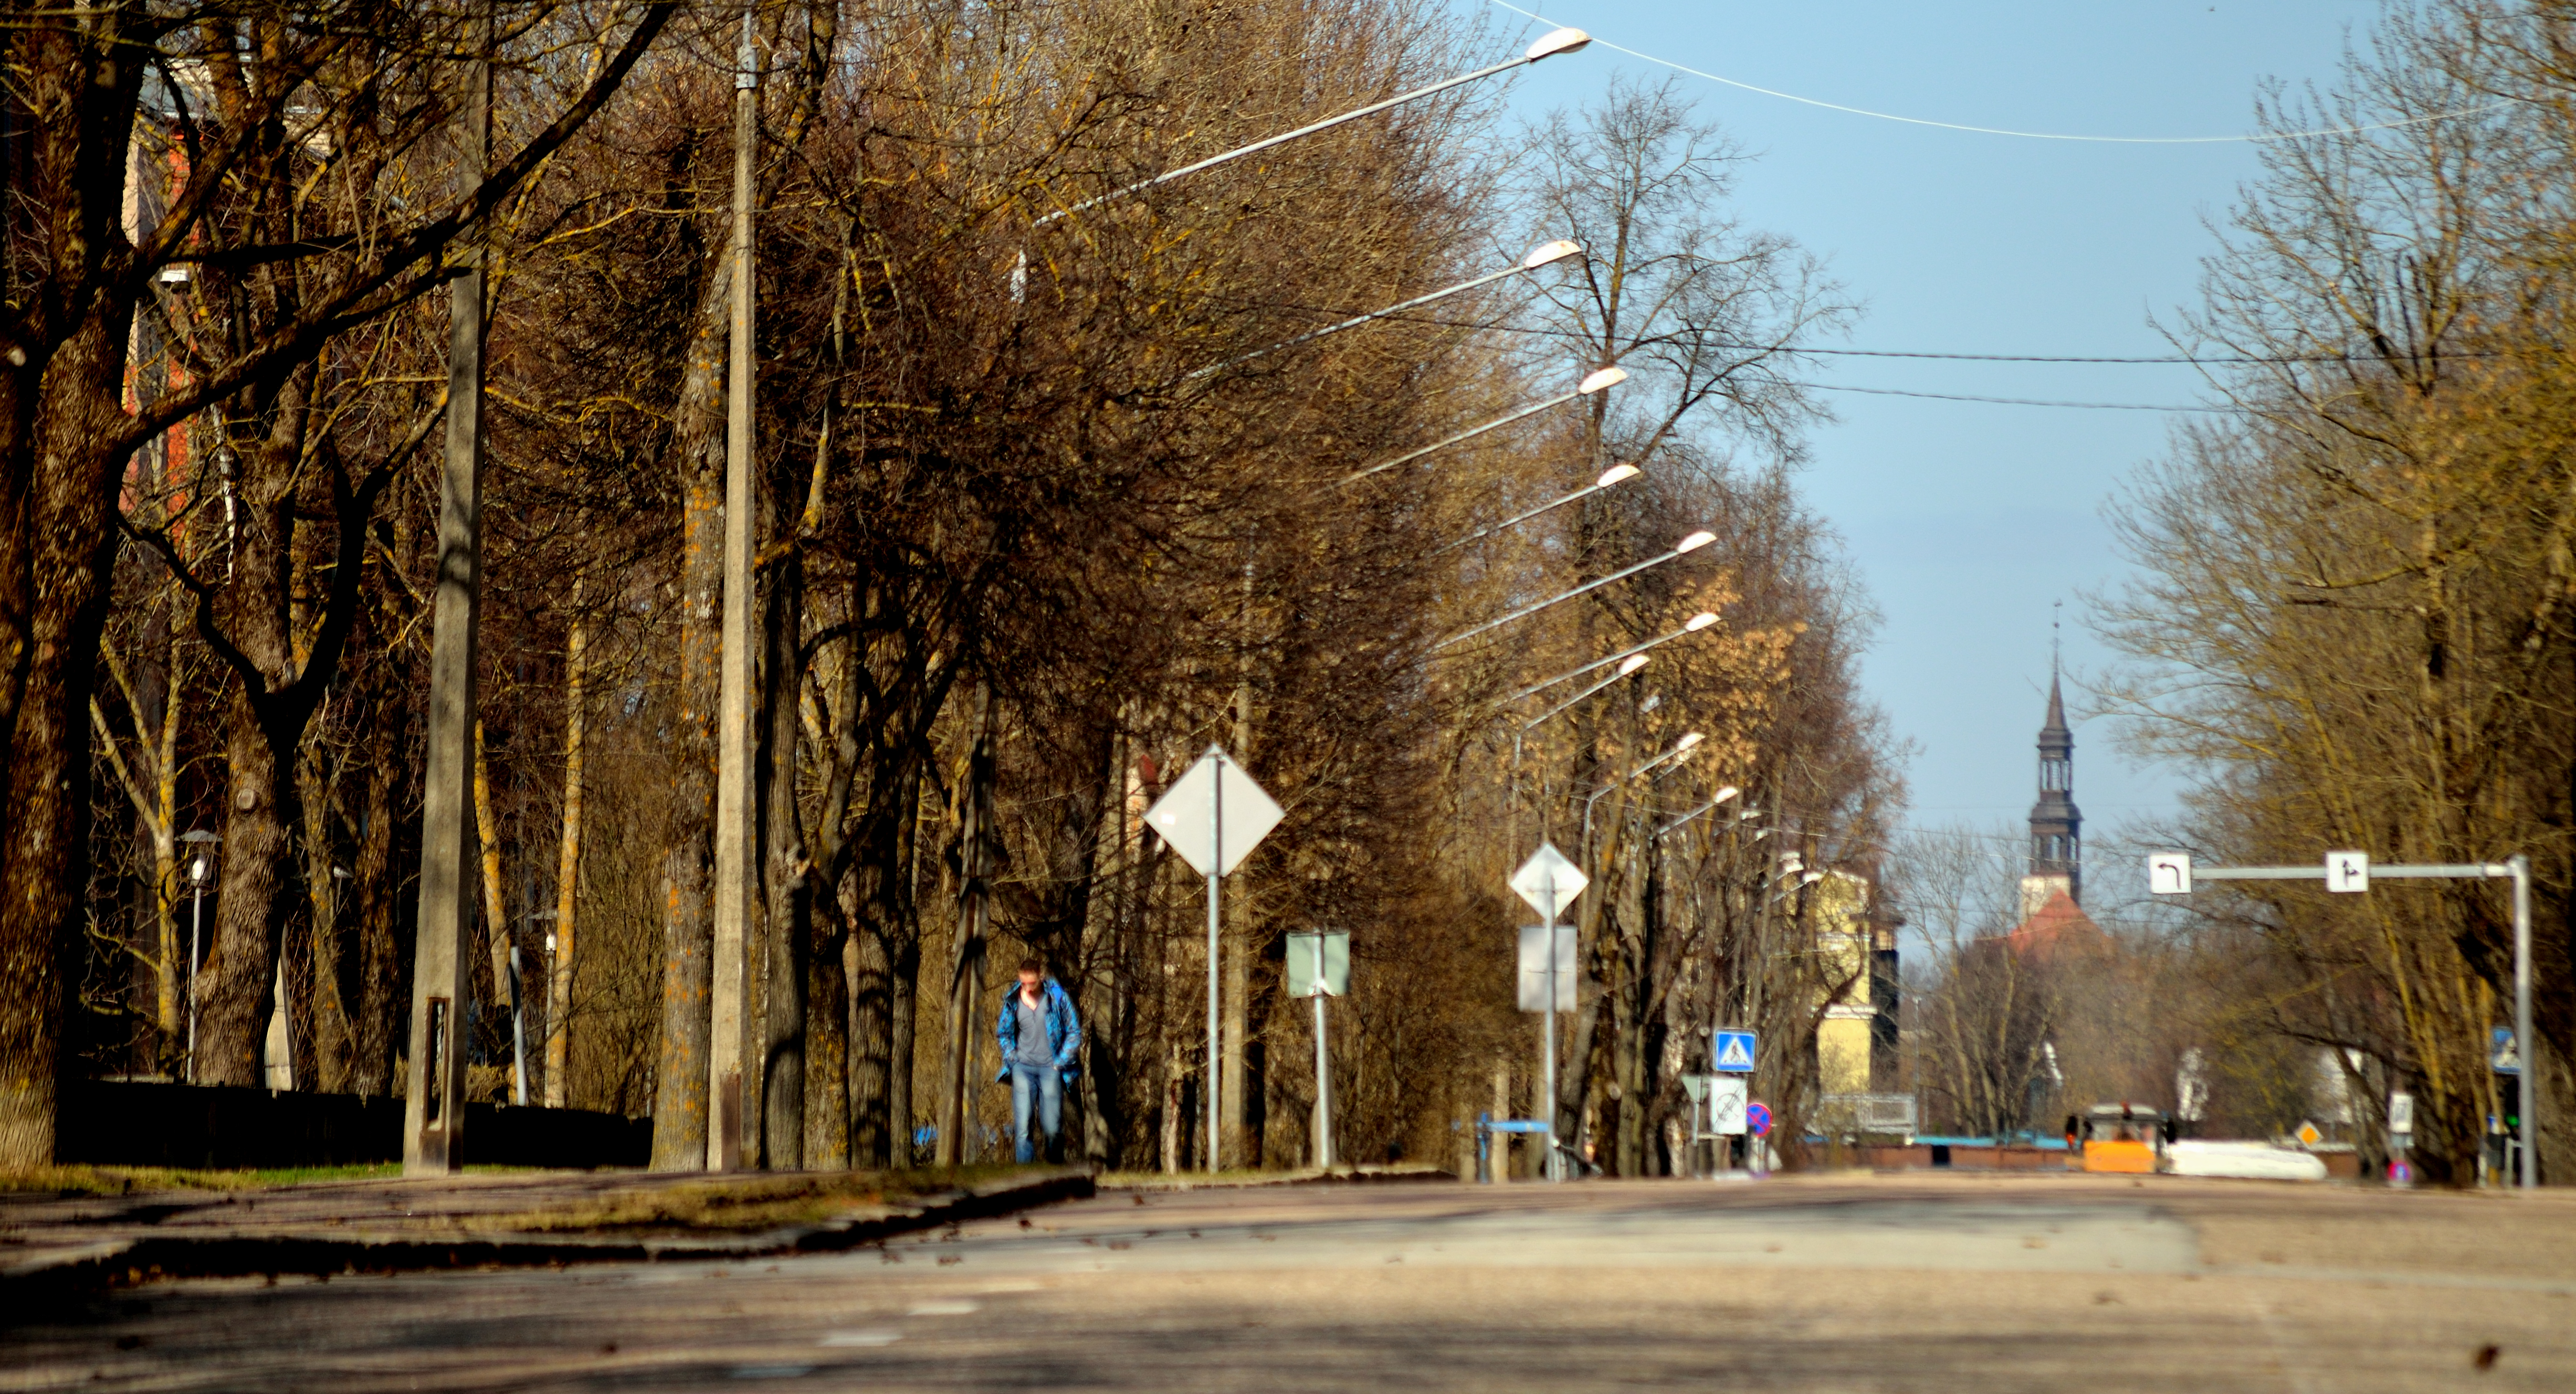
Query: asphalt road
[{"x": 1909, "y": 1282}]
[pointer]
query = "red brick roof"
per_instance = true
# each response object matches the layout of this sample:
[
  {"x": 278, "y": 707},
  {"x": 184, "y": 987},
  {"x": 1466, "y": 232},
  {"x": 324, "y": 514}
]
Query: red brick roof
[{"x": 2059, "y": 925}]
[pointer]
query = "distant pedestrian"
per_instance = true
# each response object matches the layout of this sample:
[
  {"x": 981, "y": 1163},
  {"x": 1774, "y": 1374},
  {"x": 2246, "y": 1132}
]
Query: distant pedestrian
[{"x": 1040, "y": 1040}]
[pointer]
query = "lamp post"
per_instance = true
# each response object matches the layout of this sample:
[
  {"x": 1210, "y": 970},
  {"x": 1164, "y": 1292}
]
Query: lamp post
[
  {"x": 1730, "y": 791},
  {"x": 1610, "y": 478},
  {"x": 1544, "y": 254},
  {"x": 1688, "y": 544},
  {"x": 1547, "y": 46},
  {"x": 198, "y": 869},
  {"x": 1597, "y": 380},
  {"x": 1693, "y": 625},
  {"x": 1681, "y": 751}
]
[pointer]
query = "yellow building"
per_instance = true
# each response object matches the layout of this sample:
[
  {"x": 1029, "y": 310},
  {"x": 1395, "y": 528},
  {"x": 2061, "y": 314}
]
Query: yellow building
[{"x": 1847, "y": 1039}]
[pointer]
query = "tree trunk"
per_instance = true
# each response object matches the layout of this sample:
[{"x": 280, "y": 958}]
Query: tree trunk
[
  {"x": 974, "y": 913},
  {"x": 560, "y": 964},
  {"x": 779, "y": 852},
  {"x": 874, "y": 1127},
  {"x": 238, "y": 979},
  {"x": 680, "y": 1088}
]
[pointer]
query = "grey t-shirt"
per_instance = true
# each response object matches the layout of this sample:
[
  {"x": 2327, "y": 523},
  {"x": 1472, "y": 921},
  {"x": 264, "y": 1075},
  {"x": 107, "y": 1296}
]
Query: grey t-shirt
[{"x": 1033, "y": 1030}]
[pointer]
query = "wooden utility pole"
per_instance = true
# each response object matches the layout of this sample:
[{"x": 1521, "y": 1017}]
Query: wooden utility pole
[
  {"x": 434, "y": 1107},
  {"x": 733, "y": 723}
]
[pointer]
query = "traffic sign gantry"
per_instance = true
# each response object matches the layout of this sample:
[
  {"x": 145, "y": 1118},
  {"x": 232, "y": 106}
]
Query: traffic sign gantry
[
  {"x": 2171, "y": 873},
  {"x": 1213, "y": 815}
]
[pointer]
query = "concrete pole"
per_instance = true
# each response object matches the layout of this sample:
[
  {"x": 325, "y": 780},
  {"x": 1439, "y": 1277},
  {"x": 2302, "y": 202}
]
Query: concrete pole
[
  {"x": 2526, "y": 1096},
  {"x": 1216, "y": 874},
  {"x": 1547, "y": 1037},
  {"x": 733, "y": 723},
  {"x": 1323, "y": 1074},
  {"x": 433, "y": 1106}
]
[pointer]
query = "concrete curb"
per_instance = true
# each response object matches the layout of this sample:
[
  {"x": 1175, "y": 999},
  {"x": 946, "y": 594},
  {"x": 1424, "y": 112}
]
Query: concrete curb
[{"x": 78, "y": 1272}]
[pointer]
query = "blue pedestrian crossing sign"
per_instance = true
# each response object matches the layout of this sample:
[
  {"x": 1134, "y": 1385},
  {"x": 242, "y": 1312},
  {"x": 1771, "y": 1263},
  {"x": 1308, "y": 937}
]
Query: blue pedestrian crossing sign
[{"x": 1731, "y": 1052}]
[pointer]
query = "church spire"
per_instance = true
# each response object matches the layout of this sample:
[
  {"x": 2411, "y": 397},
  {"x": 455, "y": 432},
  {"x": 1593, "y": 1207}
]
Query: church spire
[{"x": 2056, "y": 825}]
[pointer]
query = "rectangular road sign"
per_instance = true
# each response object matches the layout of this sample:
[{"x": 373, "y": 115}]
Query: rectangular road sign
[
  {"x": 1534, "y": 968},
  {"x": 2169, "y": 873},
  {"x": 2401, "y": 1114},
  {"x": 2348, "y": 872},
  {"x": 1731, "y": 1052},
  {"x": 2504, "y": 1059},
  {"x": 1726, "y": 1099},
  {"x": 1319, "y": 964}
]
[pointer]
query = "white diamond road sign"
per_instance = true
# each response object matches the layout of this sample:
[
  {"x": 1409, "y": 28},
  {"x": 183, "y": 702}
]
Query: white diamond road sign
[
  {"x": 2169, "y": 873},
  {"x": 1726, "y": 1099},
  {"x": 1731, "y": 1052},
  {"x": 2348, "y": 871},
  {"x": 1548, "y": 881},
  {"x": 1180, "y": 817}
]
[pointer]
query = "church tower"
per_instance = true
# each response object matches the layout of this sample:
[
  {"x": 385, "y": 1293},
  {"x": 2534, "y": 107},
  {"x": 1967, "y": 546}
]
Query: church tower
[{"x": 2056, "y": 826}]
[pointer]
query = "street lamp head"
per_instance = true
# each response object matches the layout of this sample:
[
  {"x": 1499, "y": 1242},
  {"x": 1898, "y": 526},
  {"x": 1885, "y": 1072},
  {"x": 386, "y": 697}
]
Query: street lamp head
[
  {"x": 1632, "y": 663},
  {"x": 1700, "y": 621},
  {"x": 197, "y": 870},
  {"x": 198, "y": 835},
  {"x": 1598, "y": 379},
  {"x": 1730, "y": 791},
  {"x": 1556, "y": 42},
  {"x": 1546, "y": 252},
  {"x": 1695, "y": 541},
  {"x": 1616, "y": 474},
  {"x": 1689, "y": 739}
]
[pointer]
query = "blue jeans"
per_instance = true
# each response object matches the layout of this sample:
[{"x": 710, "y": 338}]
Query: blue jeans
[{"x": 1043, "y": 1086}]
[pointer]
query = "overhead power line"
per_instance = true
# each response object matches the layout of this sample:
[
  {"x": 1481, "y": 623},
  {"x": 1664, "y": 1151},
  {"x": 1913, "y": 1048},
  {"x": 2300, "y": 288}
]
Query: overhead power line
[
  {"x": 2022, "y": 135},
  {"x": 2012, "y": 401}
]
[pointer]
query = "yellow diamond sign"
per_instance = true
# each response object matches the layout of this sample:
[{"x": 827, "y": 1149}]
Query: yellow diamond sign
[{"x": 2308, "y": 1135}]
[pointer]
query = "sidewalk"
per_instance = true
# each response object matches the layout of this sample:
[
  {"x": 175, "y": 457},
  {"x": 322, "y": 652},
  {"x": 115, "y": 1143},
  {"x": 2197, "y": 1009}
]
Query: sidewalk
[{"x": 65, "y": 1246}]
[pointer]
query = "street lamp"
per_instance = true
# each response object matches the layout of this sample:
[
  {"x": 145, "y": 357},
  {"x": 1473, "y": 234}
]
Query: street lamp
[
  {"x": 1681, "y": 751},
  {"x": 1730, "y": 791},
  {"x": 1544, "y": 254},
  {"x": 1547, "y": 46},
  {"x": 1626, "y": 666},
  {"x": 198, "y": 869},
  {"x": 1595, "y": 381},
  {"x": 1615, "y": 475},
  {"x": 1691, "y": 543},
  {"x": 1693, "y": 625}
]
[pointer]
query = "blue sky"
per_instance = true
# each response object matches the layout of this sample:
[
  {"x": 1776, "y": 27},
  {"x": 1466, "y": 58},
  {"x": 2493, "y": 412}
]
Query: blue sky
[{"x": 1967, "y": 521}]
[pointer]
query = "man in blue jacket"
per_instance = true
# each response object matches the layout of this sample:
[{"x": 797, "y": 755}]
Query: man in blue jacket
[{"x": 1040, "y": 1039}]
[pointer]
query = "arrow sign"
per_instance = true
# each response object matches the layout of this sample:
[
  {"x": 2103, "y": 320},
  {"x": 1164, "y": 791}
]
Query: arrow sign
[
  {"x": 1180, "y": 817},
  {"x": 2169, "y": 873},
  {"x": 1732, "y": 1052},
  {"x": 1548, "y": 881}
]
